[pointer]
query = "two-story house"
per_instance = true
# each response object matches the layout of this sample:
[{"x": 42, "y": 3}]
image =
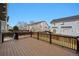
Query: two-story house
[
  {"x": 66, "y": 25},
  {"x": 38, "y": 26}
]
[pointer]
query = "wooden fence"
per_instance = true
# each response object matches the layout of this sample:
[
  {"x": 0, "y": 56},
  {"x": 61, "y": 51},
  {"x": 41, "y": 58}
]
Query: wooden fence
[
  {"x": 10, "y": 34},
  {"x": 71, "y": 42},
  {"x": 62, "y": 40}
]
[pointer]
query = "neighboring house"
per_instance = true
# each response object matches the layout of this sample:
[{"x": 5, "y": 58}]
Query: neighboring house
[
  {"x": 66, "y": 25},
  {"x": 35, "y": 26},
  {"x": 38, "y": 26}
]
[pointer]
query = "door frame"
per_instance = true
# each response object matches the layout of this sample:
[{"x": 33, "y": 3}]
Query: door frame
[{"x": 0, "y": 32}]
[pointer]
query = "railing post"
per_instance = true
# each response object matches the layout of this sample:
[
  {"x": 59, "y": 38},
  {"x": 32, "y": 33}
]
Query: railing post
[
  {"x": 38, "y": 35},
  {"x": 50, "y": 37},
  {"x": 31, "y": 33},
  {"x": 77, "y": 44},
  {"x": 2, "y": 37}
]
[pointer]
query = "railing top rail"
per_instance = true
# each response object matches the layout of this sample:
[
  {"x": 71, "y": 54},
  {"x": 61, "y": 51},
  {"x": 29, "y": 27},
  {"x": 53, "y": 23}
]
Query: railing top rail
[{"x": 60, "y": 35}]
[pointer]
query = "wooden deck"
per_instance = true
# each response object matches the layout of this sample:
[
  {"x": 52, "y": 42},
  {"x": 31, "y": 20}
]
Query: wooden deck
[{"x": 27, "y": 46}]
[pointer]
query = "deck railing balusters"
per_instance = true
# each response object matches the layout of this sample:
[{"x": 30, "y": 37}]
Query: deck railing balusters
[{"x": 62, "y": 40}]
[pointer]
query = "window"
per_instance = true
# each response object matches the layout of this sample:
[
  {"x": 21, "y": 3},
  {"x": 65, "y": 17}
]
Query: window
[
  {"x": 54, "y": 24},
  {"x": 54, "y": 27},
  {"x": 62, "y": 23},
  {"x": 54, "y": 30},
  {"x": 66, "y": 27}
]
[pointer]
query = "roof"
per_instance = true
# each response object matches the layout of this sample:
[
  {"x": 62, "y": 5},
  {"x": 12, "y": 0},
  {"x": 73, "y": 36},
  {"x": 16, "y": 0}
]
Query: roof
[
  {"x": 66, "y": 19},
  {"x": 37, "y": 22}
]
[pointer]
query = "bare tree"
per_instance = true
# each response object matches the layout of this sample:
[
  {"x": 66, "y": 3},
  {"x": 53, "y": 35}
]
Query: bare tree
[
  {"x": 22, "y": 25},
  {"x": 31, "y": 22}
]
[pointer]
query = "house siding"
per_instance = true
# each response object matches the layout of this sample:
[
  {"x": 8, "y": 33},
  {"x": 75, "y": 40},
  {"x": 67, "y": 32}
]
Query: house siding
[
  {"x": 38, "y": 27},
  {"x": 73, "y": 30}
]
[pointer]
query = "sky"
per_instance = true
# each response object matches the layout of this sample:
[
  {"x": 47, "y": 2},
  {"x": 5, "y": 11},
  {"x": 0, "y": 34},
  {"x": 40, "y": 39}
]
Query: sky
[{"x": 28, "y": 12}]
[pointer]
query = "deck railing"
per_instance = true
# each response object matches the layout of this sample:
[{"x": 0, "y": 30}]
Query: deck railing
[
  {"x": 62, "y": 40},
  {"x": 71, "y": 42},
  {"x": 11, "y": 34}
]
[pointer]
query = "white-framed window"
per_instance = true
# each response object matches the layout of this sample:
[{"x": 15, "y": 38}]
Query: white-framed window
[
  {"x": 62, "y": 23},
  {"x": 54, "y": 24}
]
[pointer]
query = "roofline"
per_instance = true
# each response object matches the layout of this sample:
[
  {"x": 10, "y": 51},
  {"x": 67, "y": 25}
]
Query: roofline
[
  {"x": 64, "y": 18},
  {"x": 36, "y": 22}
]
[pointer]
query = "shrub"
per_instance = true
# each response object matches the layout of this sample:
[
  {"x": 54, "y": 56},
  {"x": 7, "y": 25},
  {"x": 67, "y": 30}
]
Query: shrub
[{"x": 15, "y": 28}]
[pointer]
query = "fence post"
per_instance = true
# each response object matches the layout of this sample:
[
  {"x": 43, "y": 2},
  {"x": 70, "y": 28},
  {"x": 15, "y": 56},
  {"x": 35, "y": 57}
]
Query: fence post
[
  {"x": 2, "y": 37},
  {"x": 38, "y": 35},
  {"x": 50, "y": 37},
  {"x": 78, "y": 45},
  {"x": 31, "y": 33}
]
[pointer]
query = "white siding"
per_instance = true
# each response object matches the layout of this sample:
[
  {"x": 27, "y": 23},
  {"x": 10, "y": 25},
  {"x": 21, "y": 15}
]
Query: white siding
[
  {"x": 67, "y": 31},
  {"x": 4, "y": 26},
  {"x": 38, "y": 27}
]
